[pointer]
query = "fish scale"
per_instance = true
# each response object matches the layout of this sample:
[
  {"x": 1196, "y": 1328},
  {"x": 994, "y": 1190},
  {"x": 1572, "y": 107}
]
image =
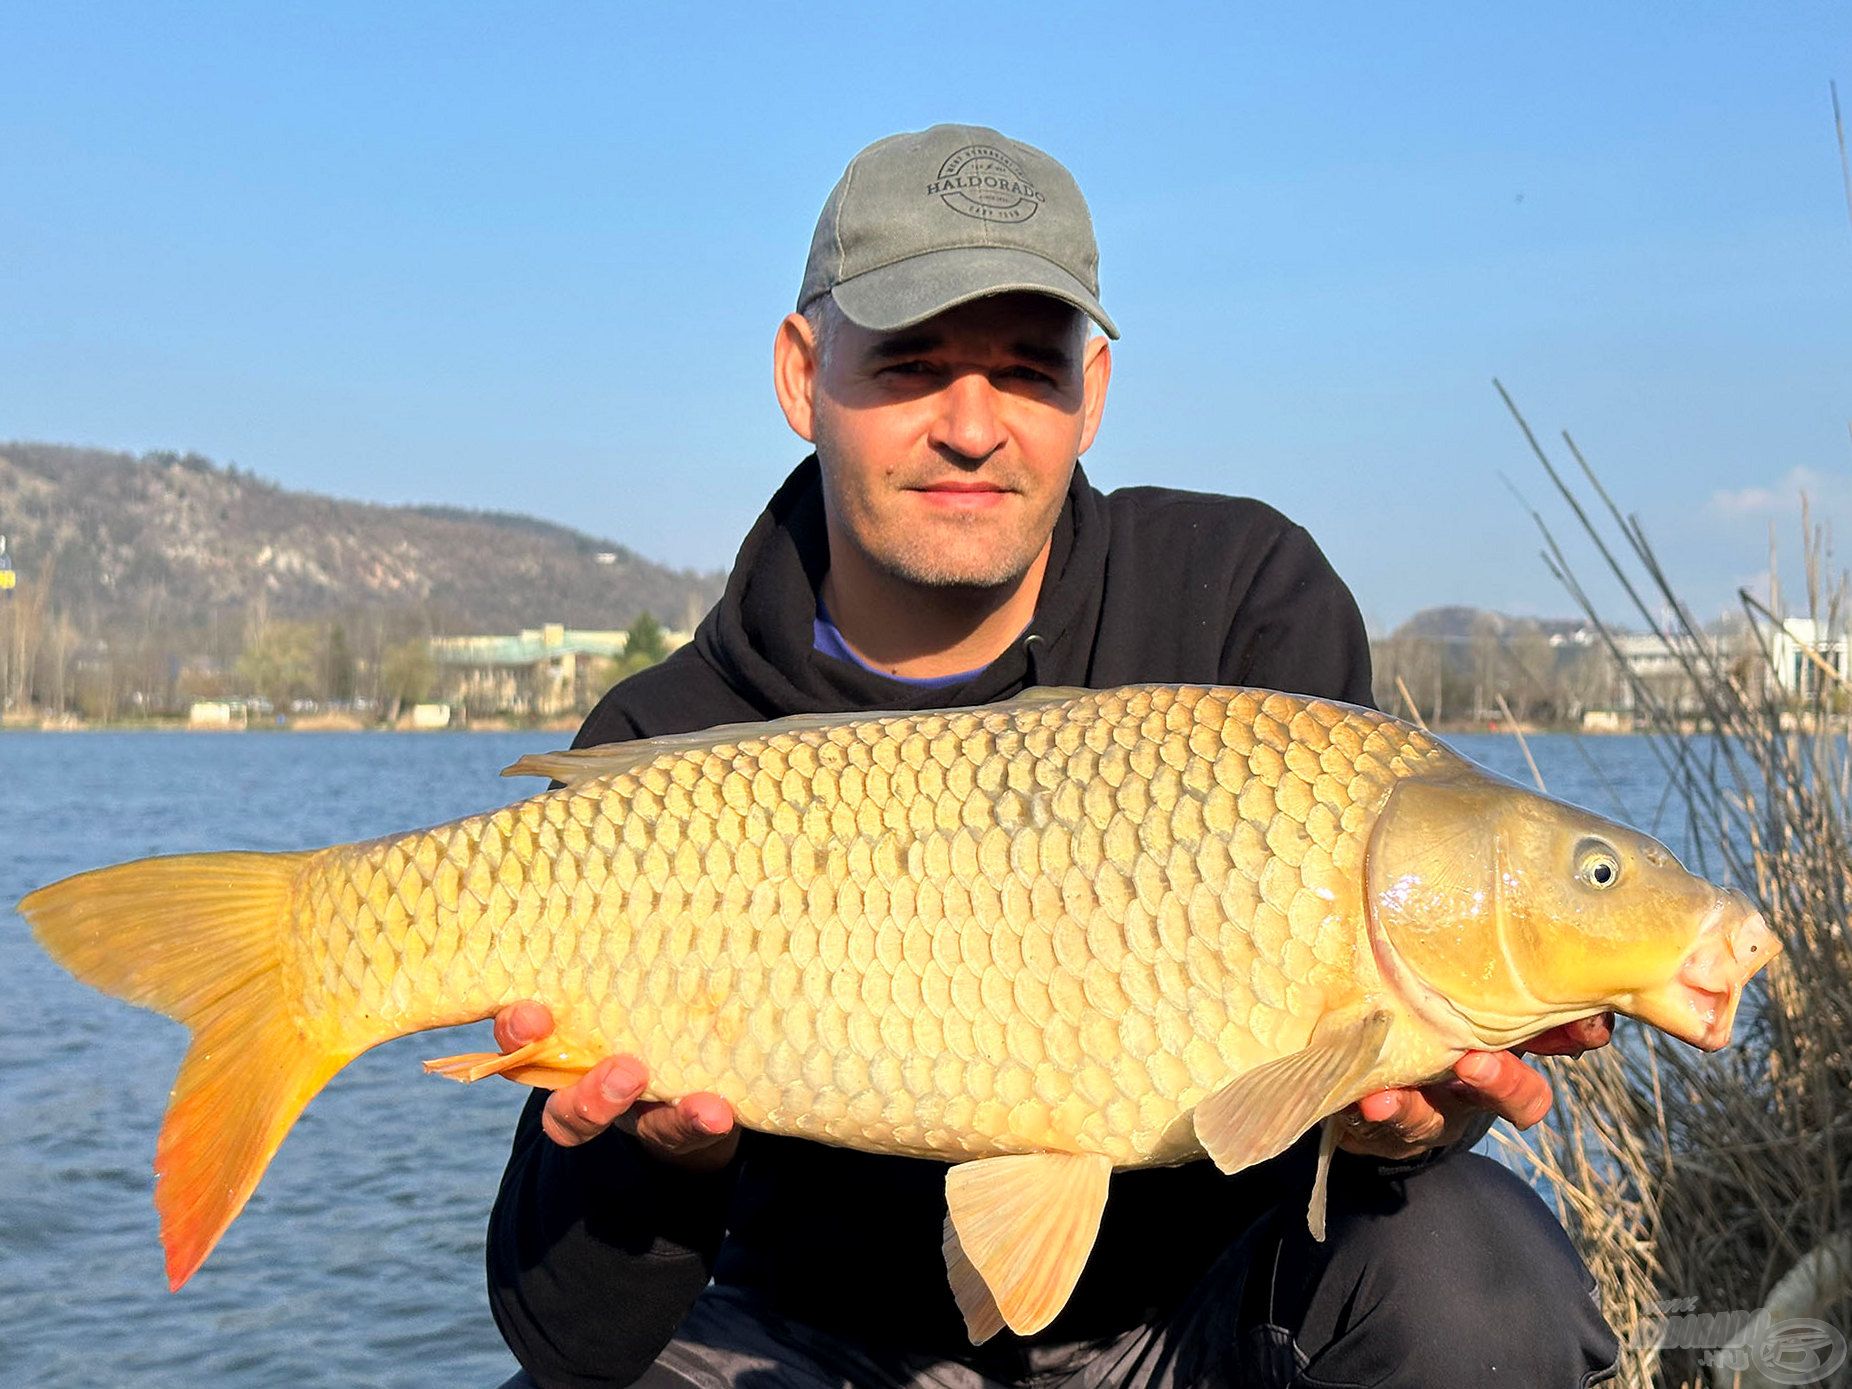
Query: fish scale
[{"x": 948, "y": 934}]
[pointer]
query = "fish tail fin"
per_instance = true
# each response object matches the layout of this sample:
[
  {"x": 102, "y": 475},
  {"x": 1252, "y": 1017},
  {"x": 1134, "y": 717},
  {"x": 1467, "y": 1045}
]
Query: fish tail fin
[{"x": 199, "y": 937}]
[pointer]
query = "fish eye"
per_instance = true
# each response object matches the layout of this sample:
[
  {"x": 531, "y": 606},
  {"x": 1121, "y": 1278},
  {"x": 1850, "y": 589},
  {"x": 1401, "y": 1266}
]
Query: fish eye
[{"x": 1597, "y": 865}]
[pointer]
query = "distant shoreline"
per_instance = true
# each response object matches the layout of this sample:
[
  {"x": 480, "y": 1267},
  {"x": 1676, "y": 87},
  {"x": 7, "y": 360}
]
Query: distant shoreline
[
  {"x": 306, "y": 725},
  {"x": 568, "y": 724}
]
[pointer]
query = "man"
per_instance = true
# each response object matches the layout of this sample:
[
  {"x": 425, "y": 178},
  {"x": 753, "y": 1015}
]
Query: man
[{"x": 942, "y": 547}]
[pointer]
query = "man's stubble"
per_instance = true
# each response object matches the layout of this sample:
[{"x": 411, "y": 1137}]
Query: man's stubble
[{"x": 975, "y": 552}]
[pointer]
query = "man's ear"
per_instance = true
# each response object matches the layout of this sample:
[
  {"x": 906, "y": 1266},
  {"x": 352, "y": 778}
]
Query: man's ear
[
  {"x": 794, "y": 375},
  {"x": 1095, "y": 376}
]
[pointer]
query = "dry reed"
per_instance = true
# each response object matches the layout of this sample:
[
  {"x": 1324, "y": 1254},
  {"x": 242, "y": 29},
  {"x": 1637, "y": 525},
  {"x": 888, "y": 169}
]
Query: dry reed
[{"x": 1695, "y": 1181}]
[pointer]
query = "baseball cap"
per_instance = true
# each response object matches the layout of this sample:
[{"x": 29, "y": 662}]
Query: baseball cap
[{"x": 927, "y": 220}]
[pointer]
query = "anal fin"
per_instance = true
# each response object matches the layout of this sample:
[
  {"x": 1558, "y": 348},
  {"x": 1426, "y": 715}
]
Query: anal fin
[
  {"x": 1017, "y": 1235},
  {"x": 545, "y": 1064},
  {"x": 1258, "y": 1114}
]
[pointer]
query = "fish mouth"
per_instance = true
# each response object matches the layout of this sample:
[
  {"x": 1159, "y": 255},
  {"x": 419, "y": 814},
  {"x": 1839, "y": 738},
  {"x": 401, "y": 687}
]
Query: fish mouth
[{"x": 1698, "y": 1005}]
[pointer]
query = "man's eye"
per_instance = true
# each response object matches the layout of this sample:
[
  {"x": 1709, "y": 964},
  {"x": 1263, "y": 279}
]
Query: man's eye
[
  {"x": 1021, "y": 373},
  {"x": 905, "y": 369}
]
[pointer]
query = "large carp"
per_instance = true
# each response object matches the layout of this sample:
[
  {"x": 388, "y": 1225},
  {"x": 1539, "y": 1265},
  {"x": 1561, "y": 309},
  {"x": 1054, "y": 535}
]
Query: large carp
[{"x": 1040, "y": 940}]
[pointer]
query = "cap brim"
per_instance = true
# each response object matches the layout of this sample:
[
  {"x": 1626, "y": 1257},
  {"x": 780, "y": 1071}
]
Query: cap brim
[{"x": 913, "y": 290}]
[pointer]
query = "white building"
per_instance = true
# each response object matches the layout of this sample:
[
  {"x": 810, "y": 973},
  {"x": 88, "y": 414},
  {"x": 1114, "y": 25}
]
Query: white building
[{"x": 1802, "y": 650}]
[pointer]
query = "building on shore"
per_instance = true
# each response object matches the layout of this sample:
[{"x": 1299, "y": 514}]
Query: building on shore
[
  {"x": 540, "y": 671},
  {"x": 1659, "y": 671},
  {"x": 1799, "y": 660},
  {"x": 224, "y": 713},
  {"x": 1809, "y": 657},
  {"x": 428, "y": 718}
]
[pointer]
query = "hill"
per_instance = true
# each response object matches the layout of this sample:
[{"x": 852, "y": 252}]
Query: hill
[
  {"x": 178, "y": 541},
  {"x": 1458, "y": 623}
]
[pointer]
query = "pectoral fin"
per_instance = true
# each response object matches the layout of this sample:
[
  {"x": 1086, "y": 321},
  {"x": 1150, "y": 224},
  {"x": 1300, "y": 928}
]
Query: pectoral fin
[
  {"x": 1017, "y": 1235},
  {"x": 1258, "y": 1114},
  {"x": 545, "y": 1064}
]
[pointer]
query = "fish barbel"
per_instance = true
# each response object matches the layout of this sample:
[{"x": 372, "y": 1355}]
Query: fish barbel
[{"x": 1040, "y": 940}]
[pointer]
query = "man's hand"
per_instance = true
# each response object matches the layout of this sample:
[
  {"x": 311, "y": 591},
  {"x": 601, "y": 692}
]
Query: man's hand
[
  {"x": 697, "y": 1133},
  {"x": 1405, "y": 1123}
]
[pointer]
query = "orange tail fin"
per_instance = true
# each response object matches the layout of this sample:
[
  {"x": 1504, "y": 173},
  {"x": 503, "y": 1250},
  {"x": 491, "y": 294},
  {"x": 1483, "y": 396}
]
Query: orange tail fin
[{"x": 199, "y": 938}]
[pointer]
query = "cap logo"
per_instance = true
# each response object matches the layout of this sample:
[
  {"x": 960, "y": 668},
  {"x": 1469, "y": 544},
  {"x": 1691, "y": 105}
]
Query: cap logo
[{"x": 982, "y": 181}]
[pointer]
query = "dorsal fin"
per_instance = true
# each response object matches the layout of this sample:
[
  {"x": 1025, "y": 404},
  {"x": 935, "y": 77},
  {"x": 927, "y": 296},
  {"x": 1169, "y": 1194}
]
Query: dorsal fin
[
  {"x": 1037, "y": 696},
  {"x": 583, "y": 764}
]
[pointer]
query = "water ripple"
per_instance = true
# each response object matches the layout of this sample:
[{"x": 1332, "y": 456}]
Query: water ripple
[{"x": 359, "y": 1261}]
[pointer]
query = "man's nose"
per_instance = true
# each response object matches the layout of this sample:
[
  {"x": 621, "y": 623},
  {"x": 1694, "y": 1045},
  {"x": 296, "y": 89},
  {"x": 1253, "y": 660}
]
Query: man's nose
[{"x": 968, "y": 422}]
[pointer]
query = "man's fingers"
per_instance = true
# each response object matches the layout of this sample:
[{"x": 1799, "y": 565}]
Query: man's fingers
[
  {"x": 1382, "y": 1107},
  {"x": 1573, "y": 1038},
  {"x": 1402, "y": 1123},
  {"x": 1391, "y": 1124},
  {"x": 696, "y": 1122},
  {"x": 583, "y": 1110},
  {"x": 521, "y": 1023},
  {"x": 1407, "y": 1113},
  {"x": 1498, "y": 1081},
  {"x": 1395, "y": 1118},
  {"x": 697, "y": 1132}
]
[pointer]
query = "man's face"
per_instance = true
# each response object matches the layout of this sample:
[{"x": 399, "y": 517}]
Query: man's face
[{"x": 947, "y": 448}]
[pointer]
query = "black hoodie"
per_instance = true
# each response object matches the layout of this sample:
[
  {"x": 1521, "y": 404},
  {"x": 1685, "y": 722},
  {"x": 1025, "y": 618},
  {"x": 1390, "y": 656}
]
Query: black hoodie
[{"x": 595, "y": 1253}]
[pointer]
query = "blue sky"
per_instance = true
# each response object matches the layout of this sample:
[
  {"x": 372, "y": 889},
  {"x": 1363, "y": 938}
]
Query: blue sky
[{"x": 531, "y": 257}]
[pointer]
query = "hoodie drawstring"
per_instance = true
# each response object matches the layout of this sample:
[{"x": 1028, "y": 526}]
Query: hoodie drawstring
[{"x": 1030, "y": 644}]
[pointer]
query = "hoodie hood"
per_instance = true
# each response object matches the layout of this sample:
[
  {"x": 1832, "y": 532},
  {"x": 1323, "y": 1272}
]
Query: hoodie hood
[{"x": 759, "y": 636}]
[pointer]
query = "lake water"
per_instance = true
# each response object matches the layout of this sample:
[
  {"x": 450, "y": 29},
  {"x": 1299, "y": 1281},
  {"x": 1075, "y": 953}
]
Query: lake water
[{"x": 359, "y": 1260}]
